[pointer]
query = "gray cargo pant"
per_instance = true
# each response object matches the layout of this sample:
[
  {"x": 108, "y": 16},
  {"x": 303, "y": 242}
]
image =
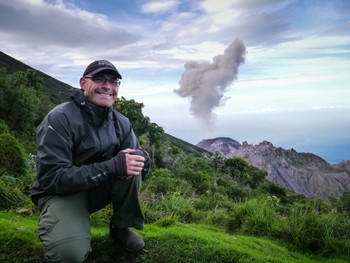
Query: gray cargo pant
[{"x": 64, "y": 225}]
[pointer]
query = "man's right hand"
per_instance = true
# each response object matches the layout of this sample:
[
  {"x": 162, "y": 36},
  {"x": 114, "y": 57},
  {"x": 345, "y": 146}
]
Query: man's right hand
[{"x": 129, "y": 163}]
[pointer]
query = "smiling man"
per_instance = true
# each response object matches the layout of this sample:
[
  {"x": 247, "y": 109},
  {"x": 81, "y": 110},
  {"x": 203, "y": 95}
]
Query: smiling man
[
  {"x": 87, "y": 157},
  {"x": 101, "y": 72}
]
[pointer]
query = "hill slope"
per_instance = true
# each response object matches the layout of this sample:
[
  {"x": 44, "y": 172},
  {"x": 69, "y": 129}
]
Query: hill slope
[
  {"x": 185, "y": 146},
  {"x": 56, "y": 90},
  {"x": 303, "y": 173}
]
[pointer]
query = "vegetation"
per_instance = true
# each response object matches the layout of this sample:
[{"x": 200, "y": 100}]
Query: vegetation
[
  {"x": 56, "y": 90},
  {"x": 199, "y": 207}
]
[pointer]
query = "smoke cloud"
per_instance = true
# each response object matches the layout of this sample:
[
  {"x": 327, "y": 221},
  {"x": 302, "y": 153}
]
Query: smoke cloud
[{"x": 205, "y": 83}]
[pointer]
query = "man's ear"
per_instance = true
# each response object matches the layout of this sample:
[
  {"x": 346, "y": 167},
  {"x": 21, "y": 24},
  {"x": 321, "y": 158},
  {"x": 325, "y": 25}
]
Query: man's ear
[{"x": 82, "y": 83}]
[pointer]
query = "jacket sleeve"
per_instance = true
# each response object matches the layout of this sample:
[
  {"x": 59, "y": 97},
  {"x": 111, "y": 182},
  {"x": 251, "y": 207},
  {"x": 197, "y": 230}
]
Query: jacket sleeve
[{"x": 56, "y": 172}]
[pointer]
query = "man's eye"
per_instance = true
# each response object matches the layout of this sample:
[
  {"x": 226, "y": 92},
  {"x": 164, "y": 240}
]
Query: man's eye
[{"x": 99, "y": 79}]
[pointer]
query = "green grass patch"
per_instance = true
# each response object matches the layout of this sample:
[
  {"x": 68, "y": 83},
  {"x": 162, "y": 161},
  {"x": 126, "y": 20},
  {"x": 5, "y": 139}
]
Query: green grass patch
[
  {"x": 174, "y": 243},
  {"x": 18, "y": 239}
]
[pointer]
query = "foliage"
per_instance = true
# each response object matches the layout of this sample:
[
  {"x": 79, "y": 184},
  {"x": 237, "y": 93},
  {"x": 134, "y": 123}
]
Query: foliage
[
  {"x": 141, "y": 124},
  {"x": 23, "y": 104},
  {"x": 342, "y": 203},
  {"x": 10, "y": 195},
  {"x": 4, "y": 128},
  {"x": 312, "y": 229},
  {"x": 13, "y": 159},
  {"x": 164, "y": 181}
]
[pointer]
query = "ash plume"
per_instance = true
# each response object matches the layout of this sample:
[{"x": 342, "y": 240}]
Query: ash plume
[{"x": 205, "y": 83}]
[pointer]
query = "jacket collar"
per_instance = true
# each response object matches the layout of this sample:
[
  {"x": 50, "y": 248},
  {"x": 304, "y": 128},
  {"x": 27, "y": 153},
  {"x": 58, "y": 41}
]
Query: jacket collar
[{"x": 96, "y": 113}]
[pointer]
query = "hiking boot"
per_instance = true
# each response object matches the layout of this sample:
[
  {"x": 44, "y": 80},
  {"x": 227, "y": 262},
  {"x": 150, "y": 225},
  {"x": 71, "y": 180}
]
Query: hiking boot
[{"x": 130, "y": 240}]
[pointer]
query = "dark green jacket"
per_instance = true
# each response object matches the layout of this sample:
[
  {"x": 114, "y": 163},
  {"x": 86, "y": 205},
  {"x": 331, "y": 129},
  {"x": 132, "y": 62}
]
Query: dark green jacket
[{"x": 76, "y": 143}]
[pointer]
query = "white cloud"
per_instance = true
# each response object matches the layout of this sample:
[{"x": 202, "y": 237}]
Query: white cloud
[
  {"x": 155, "y": 7},
  {"x": 222, "y": 14}
]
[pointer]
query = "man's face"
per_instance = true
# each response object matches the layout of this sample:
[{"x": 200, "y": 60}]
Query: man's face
[{"x": 98, "y": 90}]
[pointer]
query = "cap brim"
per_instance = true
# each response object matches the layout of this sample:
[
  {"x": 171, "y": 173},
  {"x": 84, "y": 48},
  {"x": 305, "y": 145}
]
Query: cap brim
[{"x": 105, "y": 69}]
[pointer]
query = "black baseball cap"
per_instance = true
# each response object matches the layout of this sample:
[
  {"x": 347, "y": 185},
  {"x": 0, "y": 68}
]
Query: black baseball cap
[{"x": 101, "y": 65}]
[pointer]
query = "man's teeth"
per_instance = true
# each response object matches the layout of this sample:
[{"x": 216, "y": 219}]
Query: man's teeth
[{"x": 103, "y": 93}]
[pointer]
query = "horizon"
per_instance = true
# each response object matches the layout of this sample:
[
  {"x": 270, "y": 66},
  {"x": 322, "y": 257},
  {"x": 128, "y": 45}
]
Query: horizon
[{"x": 291, "y": 89}]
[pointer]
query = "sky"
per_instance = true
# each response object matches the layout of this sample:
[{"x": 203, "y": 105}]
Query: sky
[{"x": 250, "y": 70}]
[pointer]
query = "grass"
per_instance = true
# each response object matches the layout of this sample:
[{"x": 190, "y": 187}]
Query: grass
[{"x": 173, "y": 243}]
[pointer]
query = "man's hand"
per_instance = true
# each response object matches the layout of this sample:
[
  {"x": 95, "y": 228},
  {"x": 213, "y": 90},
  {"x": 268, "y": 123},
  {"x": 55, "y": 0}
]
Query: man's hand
[
  {"x": 129, "y": 163},
  {"x": 134, "y": 162}
]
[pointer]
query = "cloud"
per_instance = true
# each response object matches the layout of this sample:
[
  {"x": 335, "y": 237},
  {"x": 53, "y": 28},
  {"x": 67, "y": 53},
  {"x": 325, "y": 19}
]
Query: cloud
[
  {"x": 58, "y": 34},
  {"x": 41, "y": 23},
  {"x": 154, "y": 7},
  {"x": 205, "y": 83}
]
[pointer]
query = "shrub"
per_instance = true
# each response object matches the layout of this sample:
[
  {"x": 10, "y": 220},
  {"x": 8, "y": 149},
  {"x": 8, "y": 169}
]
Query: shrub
[
  {"x": 216, "y": 217},
  {"x": 211, "y": 201},
  {"x": 13, "y": 159},
  {"x": 163, "y": 181},
  {"x": 10, "y": 195},
  {"x": 343, "y": 203},
  {"x": 4, "y": 128},
  {"x": 314, "y": 230},
  {"x": 201, "y": 180},
  {"x": 177, "y": 206},
  {"x": 254, "y": 217},
  {"x": 233, "y": 189}
]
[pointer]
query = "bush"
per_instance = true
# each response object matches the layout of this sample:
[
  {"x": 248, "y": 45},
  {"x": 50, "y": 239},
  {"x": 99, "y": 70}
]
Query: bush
[
  {"x": 234, "y": 190},
  {"x": 314, "y": 230},
  {"x": 10, "y": 196},
  {"x": 342, "y": 203},
  {"x": 201, "y": 180},
  {"x": 4, "y": 128},
  {"x": 217, "y": 217},
  {"x": 13, "y": 159},
  {"x": 254, "y": 217},
  {"x": 173, "y": 206},
  {"x": 163, "y": 181}
]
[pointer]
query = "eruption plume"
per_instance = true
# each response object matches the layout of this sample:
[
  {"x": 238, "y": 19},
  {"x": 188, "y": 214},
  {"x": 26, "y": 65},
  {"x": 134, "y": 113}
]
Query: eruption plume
[{"x": 205, "y": 83}]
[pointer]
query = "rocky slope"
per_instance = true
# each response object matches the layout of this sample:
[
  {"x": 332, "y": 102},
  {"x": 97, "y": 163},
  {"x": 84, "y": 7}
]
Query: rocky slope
[{"x": 303, "y": 173}]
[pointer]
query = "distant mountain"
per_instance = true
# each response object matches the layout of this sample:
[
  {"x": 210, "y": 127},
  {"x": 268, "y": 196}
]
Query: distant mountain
[
  {"x": 303, "y": 173},
  {"x": 56, "y": 90}
]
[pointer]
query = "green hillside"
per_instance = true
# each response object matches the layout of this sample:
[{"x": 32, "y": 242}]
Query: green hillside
[
  {"x": 185, "y": 146},
  {"x": 56, "y": 90}
]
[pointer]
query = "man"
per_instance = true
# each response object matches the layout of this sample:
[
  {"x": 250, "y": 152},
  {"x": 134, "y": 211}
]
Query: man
[{"x": 87, "y": 157}]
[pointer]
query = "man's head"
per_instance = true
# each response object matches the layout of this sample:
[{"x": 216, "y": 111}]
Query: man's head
[
  {"x": 100, "y": 82},
  {"x": 101, "y": 65}
]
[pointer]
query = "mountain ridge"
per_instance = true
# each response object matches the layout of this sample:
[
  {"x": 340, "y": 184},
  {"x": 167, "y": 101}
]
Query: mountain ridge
[{"x": 303, "y": 173}]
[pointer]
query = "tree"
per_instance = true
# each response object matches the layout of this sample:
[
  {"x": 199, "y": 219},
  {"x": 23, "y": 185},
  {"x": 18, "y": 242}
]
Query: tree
[
  {"x": 256, "y": 176},
  {"x": 237, "y": 168},
  {"x": 133, "y": 110},
  {"x": 23, "y": 103}
]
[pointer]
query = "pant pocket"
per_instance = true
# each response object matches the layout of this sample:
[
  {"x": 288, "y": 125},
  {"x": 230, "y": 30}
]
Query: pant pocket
[{"x": 47, "y": 221}]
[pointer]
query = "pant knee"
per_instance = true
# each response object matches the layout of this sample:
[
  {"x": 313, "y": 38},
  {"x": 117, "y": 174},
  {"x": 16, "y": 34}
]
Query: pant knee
[{"x": 70, "y": 252}]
